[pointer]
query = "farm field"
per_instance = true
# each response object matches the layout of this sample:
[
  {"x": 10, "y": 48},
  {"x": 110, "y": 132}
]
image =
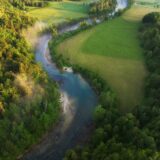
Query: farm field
[
  {"x": 113, "y": 50},
  {"x": 58, "y": 12}
]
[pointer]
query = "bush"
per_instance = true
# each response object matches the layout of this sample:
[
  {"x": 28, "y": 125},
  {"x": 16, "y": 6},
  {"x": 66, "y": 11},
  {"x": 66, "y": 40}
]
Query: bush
[{"x": 151, "y": 18}]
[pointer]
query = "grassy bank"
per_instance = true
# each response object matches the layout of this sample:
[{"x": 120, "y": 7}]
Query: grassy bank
[{"x": 113, "y": 50}]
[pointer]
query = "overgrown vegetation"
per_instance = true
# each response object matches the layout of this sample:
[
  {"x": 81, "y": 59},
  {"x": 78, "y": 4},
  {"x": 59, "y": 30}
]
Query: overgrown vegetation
[{"x": 29, "y": 101}]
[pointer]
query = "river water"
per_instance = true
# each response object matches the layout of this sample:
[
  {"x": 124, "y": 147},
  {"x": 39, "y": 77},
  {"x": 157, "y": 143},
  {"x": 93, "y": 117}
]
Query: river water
[{"x": 78, "y": 104}]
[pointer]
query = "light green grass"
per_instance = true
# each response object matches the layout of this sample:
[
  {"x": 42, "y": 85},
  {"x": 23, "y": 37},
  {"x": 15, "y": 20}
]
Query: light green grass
[
  {"x": 122, "y": 69},
  {"x": 112, "y": 49},
  {"x": 58, "y": 12},
  {"x": 117, "y": 38},
  {"x": 136, "y": 13}
]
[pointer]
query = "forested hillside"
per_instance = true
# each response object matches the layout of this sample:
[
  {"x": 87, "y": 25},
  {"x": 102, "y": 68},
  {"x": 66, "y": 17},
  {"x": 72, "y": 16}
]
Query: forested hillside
[
  {"x": 130, "y": 136},
  {"x": 27, "y": 108}
]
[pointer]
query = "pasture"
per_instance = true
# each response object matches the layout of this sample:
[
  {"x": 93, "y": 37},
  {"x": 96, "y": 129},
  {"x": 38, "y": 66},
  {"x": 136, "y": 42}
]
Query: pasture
[
  {"x": 118, "y": 61},
  {"x": 113, "y": 50},
  {"x": 58, "y": 12}
]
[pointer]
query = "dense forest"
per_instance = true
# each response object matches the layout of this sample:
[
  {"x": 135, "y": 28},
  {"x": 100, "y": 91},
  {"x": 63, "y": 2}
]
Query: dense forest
[
  {"x": 133, "y": 136},
  {"x": 27, "y": 109},
  {"x": 149, "y": 113}
]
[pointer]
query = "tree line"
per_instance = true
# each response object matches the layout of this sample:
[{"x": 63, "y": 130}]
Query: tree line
[
  {"x": 21, "y": 4},
  {"x": 102, "y": 7}
]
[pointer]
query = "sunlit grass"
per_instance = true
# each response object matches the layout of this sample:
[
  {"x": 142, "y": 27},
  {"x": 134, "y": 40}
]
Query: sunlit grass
[
  {"x": 113, "y": 50},
  {"x": 58, "y": 12},
  {"x": 137, "y": 12}
]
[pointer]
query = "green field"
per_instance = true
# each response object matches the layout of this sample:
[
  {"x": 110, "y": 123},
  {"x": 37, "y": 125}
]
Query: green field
[
  {"x": 112, "y": 49},
  {"x": 148, "y": 3},
  {"x": 58, "y": 12}
]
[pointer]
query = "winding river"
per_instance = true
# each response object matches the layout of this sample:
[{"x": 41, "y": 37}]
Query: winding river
[{"x": 78, "y": 103}]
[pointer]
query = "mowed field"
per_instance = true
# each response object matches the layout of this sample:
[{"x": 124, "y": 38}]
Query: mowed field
[
  {"x": 58, "y": 12},
  {"x": 113, "y": 50}
]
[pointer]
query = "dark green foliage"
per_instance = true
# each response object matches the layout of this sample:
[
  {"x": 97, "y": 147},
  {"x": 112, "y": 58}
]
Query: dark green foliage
[
  {"x": 151, "y": 18},
  {"x": 27, "y": 109},
  {"x": 150, "y": 38}
]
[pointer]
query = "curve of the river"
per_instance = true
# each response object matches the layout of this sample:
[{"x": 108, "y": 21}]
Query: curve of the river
[{"x": 78, "y": 103}]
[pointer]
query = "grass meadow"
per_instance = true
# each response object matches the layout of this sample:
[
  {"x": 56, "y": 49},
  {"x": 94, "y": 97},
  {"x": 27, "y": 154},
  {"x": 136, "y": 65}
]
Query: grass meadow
[
  {"x": 58, "y": 12},
  {"x": 113, "y": 50}
]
